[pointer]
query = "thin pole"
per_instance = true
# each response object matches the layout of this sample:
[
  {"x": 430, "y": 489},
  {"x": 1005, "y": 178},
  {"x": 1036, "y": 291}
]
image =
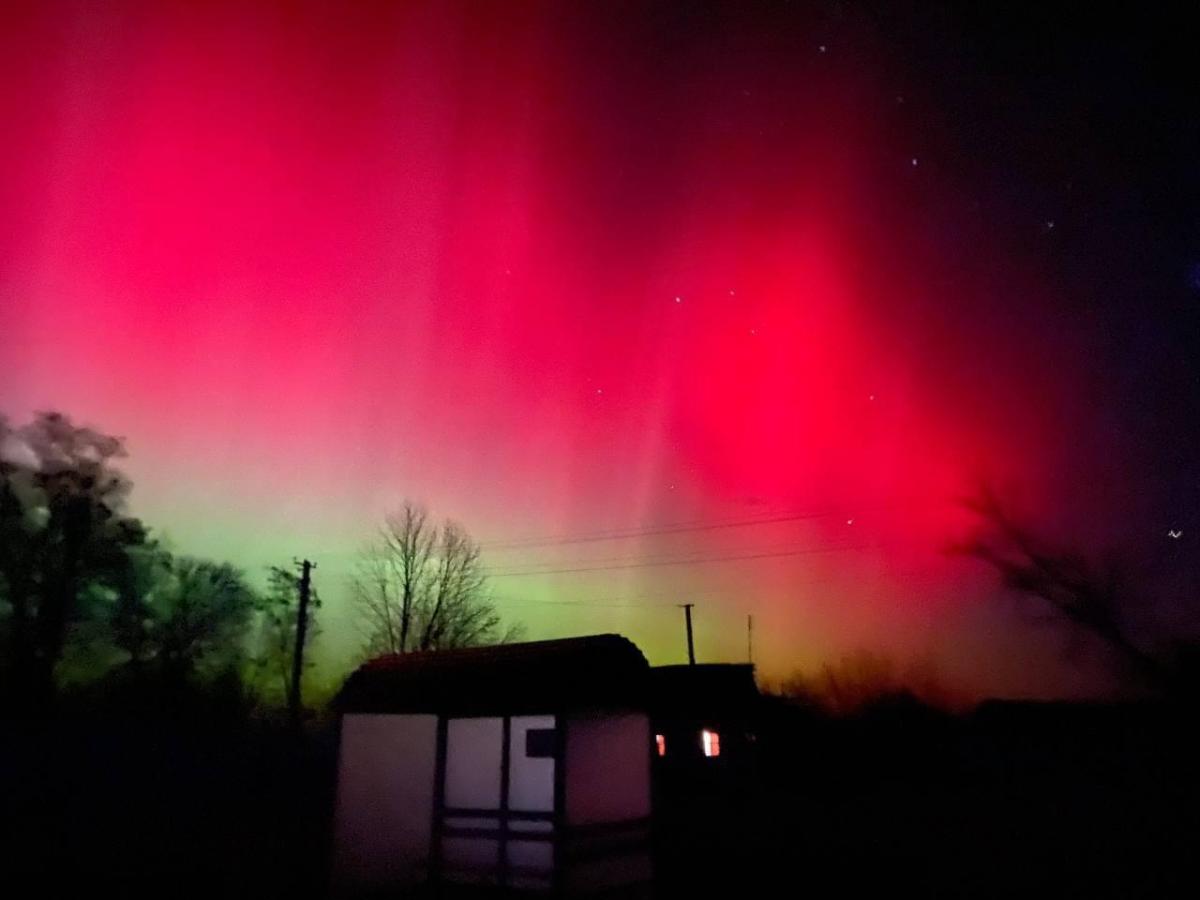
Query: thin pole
[
  {"x": 687, "y": 612},
  {"x": 301, "y": 632},
  {"x": 750, "y": 639}
]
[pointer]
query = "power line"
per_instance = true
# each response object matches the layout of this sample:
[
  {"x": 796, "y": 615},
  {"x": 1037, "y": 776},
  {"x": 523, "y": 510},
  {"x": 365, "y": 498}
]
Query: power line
[
  {"x": 632, "y": 601},
  {"x": 658, "y": 602},
  {"x": 682, "y": 555},
  {"x": 680, "y": 562},
  {"x": 766, "y": 518},
  {"x": 640, "y": 560},
  {"x": 534, "y": 604},
  {"x": 585, "y": 604},
  {"x": 677, "y": 528}
]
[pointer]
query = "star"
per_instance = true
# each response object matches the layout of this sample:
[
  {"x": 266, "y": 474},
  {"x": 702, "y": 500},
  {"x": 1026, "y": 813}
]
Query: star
[
  {"x": 849, "y": 521},
  {"x": 678, "y": 299},
  {"x": 1049, "y": 224},
  {"x": 872, "y": 397},
  {"x": 599, "y": 390},
  {"x": 822, "y": 48},
  {"x": 914, "y": 162},
  {"x": 1176, "y": 534}
]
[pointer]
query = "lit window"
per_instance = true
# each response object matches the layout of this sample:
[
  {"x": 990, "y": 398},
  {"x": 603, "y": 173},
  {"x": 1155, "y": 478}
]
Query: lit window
[
  {"x": 661, "y": 742},
  {"x": 711, "y": 742}
]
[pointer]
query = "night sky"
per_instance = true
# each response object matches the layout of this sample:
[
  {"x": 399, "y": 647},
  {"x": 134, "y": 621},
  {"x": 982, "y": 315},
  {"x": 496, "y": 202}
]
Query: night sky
[{"x": 722, "y": 303}]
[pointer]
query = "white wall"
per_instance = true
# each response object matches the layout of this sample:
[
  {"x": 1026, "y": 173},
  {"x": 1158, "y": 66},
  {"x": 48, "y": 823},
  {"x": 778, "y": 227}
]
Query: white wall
[
  {"x": 608, "y": 768},
  {"x": 473, "y": 748},
  {"x": 383, "y": 817},
  {"x": 530, "y": 779},
  {"x": 530, "y": 789},
  {"x": 608, "y": 780},
  {"x": 473, "y": 781},
  {"x": 473, "y": 755}
]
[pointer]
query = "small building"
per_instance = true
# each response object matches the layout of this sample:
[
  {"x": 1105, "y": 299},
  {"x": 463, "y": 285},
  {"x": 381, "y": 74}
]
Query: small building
[
  {"x": 704, "y": 717},
  {"x": 521, "y": 766}
]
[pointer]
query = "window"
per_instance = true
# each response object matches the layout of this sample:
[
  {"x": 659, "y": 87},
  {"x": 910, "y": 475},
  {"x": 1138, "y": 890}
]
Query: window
[
  {"x": 539, "y": 742},
  {"x": 661, "y": 743},
  {"x": 711, "y": 742}
]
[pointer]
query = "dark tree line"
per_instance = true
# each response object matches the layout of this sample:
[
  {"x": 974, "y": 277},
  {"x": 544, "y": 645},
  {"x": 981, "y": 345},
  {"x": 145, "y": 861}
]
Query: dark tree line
[
  {"x": 89, "y": 596},
  {"x": 91, "y": 599}
]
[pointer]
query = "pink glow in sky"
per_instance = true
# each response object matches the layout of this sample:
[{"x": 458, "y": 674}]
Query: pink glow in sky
[{"x": 551, "y": 275}]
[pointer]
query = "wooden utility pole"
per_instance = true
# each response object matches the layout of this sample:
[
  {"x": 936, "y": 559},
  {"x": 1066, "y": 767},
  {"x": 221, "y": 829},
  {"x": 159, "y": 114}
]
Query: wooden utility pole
[
  {"x": 750, "y": 639},
  {"x": 306, "y": 568},
  {"x": 687, "y": 612}
]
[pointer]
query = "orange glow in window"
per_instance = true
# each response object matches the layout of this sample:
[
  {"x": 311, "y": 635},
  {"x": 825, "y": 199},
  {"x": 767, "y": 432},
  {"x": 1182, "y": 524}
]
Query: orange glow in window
[
  {"x": 711, "y": 741},
  {"x": 661, "y": 742}
]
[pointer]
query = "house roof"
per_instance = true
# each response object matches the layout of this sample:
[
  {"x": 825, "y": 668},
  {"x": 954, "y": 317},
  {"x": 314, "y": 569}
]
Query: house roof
[{"x": 600, "y": 671}]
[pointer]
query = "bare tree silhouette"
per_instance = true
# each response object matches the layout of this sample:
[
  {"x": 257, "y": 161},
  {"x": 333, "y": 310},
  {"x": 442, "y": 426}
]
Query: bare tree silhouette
[
  {"x": 420, "y": 586},
  {"x": 1093, "y": 597}
]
